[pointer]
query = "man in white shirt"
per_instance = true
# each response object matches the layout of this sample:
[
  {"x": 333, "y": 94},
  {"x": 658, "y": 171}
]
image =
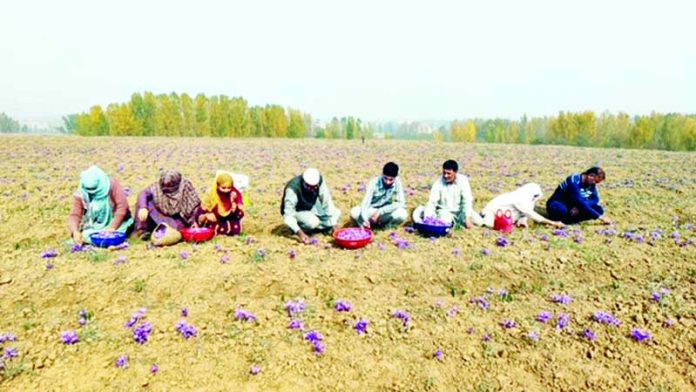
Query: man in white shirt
[
  {"x": 450, "y": 199},
  {"x": 384, "y": 202}
]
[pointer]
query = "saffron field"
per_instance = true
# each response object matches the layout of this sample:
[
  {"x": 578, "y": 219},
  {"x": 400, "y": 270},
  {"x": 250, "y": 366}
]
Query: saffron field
[{"x": 587, "y": 308}]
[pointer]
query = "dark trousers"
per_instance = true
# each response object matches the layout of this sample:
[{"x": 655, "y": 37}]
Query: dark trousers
[{"x": 559, "y": 211}]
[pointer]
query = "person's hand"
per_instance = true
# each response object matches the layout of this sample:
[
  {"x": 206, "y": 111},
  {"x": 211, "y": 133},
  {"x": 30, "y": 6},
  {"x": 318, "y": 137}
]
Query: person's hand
[
  {"x": 522, "y": 224},
  {"x": 303, "y": 237},
  {"x": 142, "y": 214},
  {"x": 210, "y": 217},
  {"x": 333, "y": 229},
  {"x": 560, "y": 225},
  {"x": 108, "y": 230},
  {"x": 77, "y": 237},
  {"x": 367, "y": 224},
  {"x": 374, "y": 219},
  {"x": 574, "y": 211},
  {"x": 233, "y": 206},
  {"x": 468, "y": 224},
  {"x": 605, "y": 221}
]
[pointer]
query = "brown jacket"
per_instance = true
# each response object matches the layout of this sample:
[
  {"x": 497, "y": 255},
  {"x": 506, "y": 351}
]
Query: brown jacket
[{"x": 119, "y": 202}]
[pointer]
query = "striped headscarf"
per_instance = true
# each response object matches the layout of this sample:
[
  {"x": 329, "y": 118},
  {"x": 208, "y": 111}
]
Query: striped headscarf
[{"x": 175, "y": 195}]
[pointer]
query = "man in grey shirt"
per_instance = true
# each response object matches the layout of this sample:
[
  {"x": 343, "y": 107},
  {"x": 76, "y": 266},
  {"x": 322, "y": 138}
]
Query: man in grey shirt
[
  {"x": 384, "y": 202},
  {"x": 307, "y": 205}
]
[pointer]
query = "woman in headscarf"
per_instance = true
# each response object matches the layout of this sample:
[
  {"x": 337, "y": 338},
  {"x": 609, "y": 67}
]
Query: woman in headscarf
[
  {"x": 521, "y": 203},
  {"x": 100, "y": 204},
  {"x": 172, "y": 200},
  {"x": 222, "y": 206}
]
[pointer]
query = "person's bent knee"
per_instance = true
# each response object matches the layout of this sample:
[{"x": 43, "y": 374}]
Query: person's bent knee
[{"x": 399, "y": 215}]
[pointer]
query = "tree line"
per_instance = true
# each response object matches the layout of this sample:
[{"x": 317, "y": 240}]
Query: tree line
[
  {"x": 9, "y": 125},
  {"x": 673, "y": 131}
]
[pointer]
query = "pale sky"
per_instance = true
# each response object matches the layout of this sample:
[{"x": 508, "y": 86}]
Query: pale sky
[{"x": 377, "y": 60}]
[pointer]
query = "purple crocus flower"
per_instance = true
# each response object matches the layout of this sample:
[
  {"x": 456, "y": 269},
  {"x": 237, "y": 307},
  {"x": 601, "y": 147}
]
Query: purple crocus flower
[
  {"x": 244, "y": 315},
  {"x": 7, "y": 337},
  {"x": 482, "y": 302},
  {"x": 120, "y": 260},
  {"x": 561, "y": 233},
  {"x": 49, "y": 254},
  {"x": 508, "y": 324},
  {"x": 135, "y": 317},
  {"x": 184, "y": 312},
  {"x": 49, "y": 266},
  {"x": 76, "y": 248},
  {"x": 142, "y": 332},
  {"x": 439, "y": 355},
  {"x": 589, "y": 334},
  {"x": 292, "y": 254},
  {"x": 255, "y": 369},
  {"x": 453, "y": 311},
  {"x": 82, "y": 321},
  {"x": 343, "y": 306},
  {"x": 562, "y": 299},
  {"x": 10, "y": 352},
  {"x": 361, "y": 326},
  {"x": 534, "y": 336},
  {"x": 186, "y": 330},
  {"x": 296, "y": 324},
  {"x": 486, "y": 252},
  {"x": 261, "y": 253},
  {"x": 225, "y": 259},
  {"x": 668, "y": 323},
  {"x": 69, "y": 337},
  {"x": 640, "y": 335},
  {"x": 313, "y": 336},
  {"x": 154, "y": 368},
  {"x": 486, "y": 338},
  {"x": 122, "y": 361},
  {"x": 218, "y": 248},
  {"x": 470, "y": 330},
  {"x": 319, "y": 347},
  {"x": 295, "y": 307},
  {"x": 606, "y": 318},
  {"x": 457, "y": 252},
  {"x": 544, "y": 316},
  {"x": 563, "y": 321},
  {"x": 502, "y": 242},
  {"x": 403, "y": 316},
  {"x": 184, "y": 255}
]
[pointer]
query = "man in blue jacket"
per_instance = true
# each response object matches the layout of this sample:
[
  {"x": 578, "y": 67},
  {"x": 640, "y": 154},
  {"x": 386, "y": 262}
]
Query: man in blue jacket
[{"x": 576, "y": 199}]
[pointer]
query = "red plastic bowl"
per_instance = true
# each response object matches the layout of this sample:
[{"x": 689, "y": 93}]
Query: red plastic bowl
[
  {"x": 200, "y": 234},
  {"x": 354, "y": 243}
]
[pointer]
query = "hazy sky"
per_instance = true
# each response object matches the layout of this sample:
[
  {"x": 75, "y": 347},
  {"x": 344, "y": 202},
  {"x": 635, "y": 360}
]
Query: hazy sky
[{"x": 402, "y": 60}]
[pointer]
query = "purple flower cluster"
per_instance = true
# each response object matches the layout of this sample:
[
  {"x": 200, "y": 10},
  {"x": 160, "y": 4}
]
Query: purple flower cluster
[
  {"x": 317, "y": 341},
  {"x": 295, "y": 307},
  {"x": 361, "y": 326},
  {"x": 544, "y": 316},
  {"x": 486, "y": 252},
  {"x": 400, "y": 243},
  {"x": 658, "y": 295},
  {"x": 589, "y": 334},
  {"x": 184, "y": 255},
  {"x": 69, "y": 337},
  {"x": 633, "y": 237},
  {"x": 640, "y": 335},
  {"x": 562, "y": 299},
  {"x": 244, "y": 315},
  {"x": 353, "y": 234},
  {"x": 296, "y": 324},
  {"x": 184, "y": 312},
  {"x": 10, "y": 352},
  {"x": 508, "y": 324},
  {"x": 343, "y": 306},
  {"x": 7, "y": 337},
  {"x": 606, "y": 318},
  {"x": 154, "y": 368},
  {"x": 439, "y": 355},
  {"x": 607, "y": 232},
  {"x": 561, "y": 233},
  {"x": 453, "y": 311},
  {"x": 141, "y": 333},
  {"x": 403, "y": 316},
  {"x": 533, "y": 336},
  {"x": 292, "y": 254},
  {"x": 502, "y": 242},
  {"x": 563, "y": 321},
  {"x": 49, "y": 254},
  {"x": 482, "y": 302},
  {"x": 186, "y": 330},
  {"x": 255, "y": 369},
  {"x": 431, "y": 221},
  {"x": 135, "y": 317}
]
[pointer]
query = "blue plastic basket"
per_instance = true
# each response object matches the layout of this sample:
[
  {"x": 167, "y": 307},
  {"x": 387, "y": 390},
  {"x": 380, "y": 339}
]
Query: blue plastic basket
[
  {"x": 431, "y": 230},
  {"x": 105, "y": 240}
]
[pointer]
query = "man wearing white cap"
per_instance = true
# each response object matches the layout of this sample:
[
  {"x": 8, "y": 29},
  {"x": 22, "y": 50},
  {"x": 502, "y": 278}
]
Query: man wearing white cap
[{"x": 307, "y": 205}]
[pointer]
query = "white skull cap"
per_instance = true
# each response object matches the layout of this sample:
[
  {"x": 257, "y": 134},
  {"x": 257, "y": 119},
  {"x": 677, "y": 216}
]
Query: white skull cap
[{"x": 311, "y": 176}]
